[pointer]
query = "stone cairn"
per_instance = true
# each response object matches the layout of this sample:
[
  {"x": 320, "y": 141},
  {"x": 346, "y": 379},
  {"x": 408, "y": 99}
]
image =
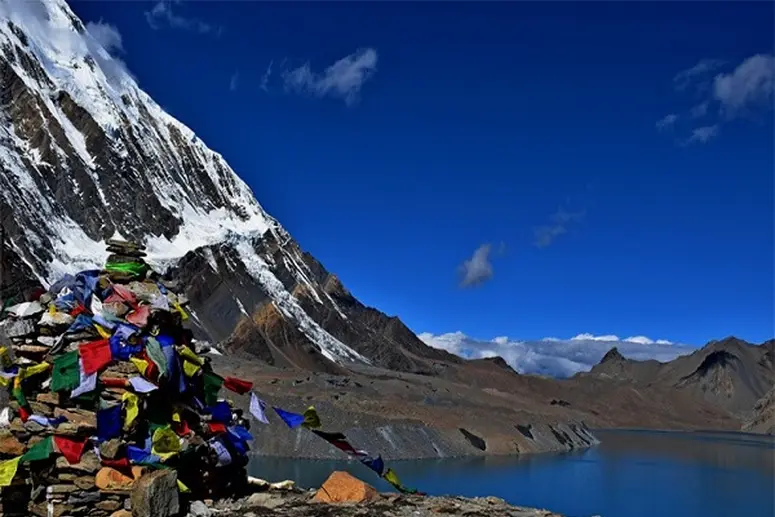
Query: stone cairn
[{"x": 108, "y": 403}]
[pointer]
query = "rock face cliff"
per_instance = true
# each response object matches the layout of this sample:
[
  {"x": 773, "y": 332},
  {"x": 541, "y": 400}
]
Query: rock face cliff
[
  {"x": 729, "y": 373},
  {"x": 86, "y": 155}
]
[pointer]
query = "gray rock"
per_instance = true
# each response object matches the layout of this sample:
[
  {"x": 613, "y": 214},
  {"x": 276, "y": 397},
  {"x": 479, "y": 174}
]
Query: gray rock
[
  {"x": 19, "y": 328},
  {"x": 84, "y": 498},
  {"x": 265, "y": 500},
  {"x": 156, "y": 495},
  {"x": 199, "y": 509}
]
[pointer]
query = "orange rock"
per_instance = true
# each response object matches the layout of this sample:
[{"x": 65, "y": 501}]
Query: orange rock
[
  {"x": 341, "y": 487},
  {"x": 111, "y": 479},
  {"x": 138, "y": 471}
]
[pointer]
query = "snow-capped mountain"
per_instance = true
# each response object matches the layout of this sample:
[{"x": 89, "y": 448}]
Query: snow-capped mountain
[{"x": 86, "y": 156}]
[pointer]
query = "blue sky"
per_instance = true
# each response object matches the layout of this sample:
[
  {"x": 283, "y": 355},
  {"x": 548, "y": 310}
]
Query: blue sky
[{"x": 611, "y": 163}]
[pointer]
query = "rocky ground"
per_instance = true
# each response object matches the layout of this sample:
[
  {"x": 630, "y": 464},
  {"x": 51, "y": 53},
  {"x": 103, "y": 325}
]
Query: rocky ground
[
  {"x": 471, "y": 409},
  {"x": 385, "y": 505}
]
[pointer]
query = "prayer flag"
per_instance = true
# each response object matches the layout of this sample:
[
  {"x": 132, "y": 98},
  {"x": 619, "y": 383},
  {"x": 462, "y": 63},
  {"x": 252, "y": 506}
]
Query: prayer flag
[
  {"x": 224, "y": 458},
  {"x": 86, "y": 383},
  {"x": 95, "y": 355},
  {"x": 183, "y": 488},
  {"x": 71, "y": 449},
  {"x": 212, "y": 385},
  {"x": 5, "y": 417},
  {"x": 140, "y": 385},
  {"x": 292, "y": 420},
  {"x": 140, "y": 364},
  {"x": 47, "y": 421},
  {"x": 109, "y": 423},
  {"x": 338, "y": 440},
  {"x": 138, "y": 455},
  {"x": 39, "y": 451},
  {"x": 221, "y": 412},
  {"x": 257, "y": 407},
  {"x": 165, "y": 443},
  {"x": 131, "y": 407},
  {"x": 8, "y": 471},
  {"x": 139, "y": 316},
  {"x": 65, "y": 375},
  {"x": 391, "y": 477},
  {"x": 113, "y": 382},
  {"x": 237, "y": 385},
  {"x": 153, "y": 349},
  {"x": 216, "y": 427},
  {"x": 311, "y": 418},
  {"x": 33, "y": 370},
  {"x": 375, "y": 464}
]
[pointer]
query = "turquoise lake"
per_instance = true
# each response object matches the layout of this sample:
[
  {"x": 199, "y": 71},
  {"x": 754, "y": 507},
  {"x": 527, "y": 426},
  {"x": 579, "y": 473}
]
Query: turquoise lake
[{"x": 630, "y": 474}]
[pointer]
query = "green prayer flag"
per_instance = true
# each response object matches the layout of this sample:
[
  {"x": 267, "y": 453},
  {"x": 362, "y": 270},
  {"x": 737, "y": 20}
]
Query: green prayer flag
[
  {"x": 153, "y": 349},
  {"x": 39, "y": 451},
  {"x": 65, "y": 375},
  {"x": 18, "y": 394},
  {"x": 212, "y": 385},
  {"x": 131, "y": 268}
]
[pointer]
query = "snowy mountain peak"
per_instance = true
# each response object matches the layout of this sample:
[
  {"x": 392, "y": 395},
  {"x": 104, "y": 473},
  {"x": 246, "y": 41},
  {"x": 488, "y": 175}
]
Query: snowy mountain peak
[{"x": 86, "y": 156}]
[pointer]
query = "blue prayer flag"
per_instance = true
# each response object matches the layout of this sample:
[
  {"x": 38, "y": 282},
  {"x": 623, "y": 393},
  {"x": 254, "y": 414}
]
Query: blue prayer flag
[
  {"x": 109, "y": 423},
  {"x": 292, "y": 420}
]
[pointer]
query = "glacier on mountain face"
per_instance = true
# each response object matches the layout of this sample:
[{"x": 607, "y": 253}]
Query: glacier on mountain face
[{"x": 79, "y": 140}]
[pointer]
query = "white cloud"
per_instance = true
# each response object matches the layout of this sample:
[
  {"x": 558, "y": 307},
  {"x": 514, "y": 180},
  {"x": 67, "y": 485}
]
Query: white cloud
[
  {"x": 697, "y": 73},
  {"x": 234, "y": 82},
  {"x": 106, "y": 35},
  {"x": 703, "y": 134},
  {"x": 667, "y": 121},
  {"x": 555, "y": 357},
  {"x": 478, "y": 268},
  {"x": 162, "y": 13},
  {"x": 748, "y": 88},
  {"x": 560, "y": 223},
  {"x": 343, "y": 79},
  {"x": 265, "y": 78}
]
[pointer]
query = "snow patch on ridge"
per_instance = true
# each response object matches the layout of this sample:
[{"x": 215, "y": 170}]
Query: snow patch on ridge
[{"x": 330, "y": 347}]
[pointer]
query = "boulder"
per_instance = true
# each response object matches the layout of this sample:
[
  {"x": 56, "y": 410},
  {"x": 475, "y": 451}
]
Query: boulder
[
  {"x": 341, "y": 487},
  {"x": 199, "y": 509},
  {"x": 10, "y": 446},
  {"x": 111, "y": 479},
  {"x": 156, "y": 495}
]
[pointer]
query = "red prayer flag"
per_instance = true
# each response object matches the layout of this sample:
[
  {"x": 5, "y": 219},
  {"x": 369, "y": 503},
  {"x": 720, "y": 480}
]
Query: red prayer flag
[
  {"x": 114, "y": 382},
  {"x": 139, "y": 317},
  {"x": 216, "y": 427},
  {"x": 237, "y": 385},
  {"x": 24, "y": 414},
  {"x": 95, "y": 355},
  {"x": 125, "y": 294},
  {"x": 120, "y": 464},
  {"x": 79, "y": 309},
  {"x": 70, "y": 449},
  {"x": 181, "y": 428}
]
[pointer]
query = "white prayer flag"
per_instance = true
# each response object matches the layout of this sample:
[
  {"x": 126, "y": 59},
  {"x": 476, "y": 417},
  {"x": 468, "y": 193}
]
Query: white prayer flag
[
  {"x": 140, "y": 385},
  {"x": 257, "y": 407}
]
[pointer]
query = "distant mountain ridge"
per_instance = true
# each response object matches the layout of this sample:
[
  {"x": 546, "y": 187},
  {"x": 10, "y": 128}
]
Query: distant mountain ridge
[{"x": 730, "y": 372}]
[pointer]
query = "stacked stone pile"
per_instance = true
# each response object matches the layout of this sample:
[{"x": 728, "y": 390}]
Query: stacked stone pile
[{"x": 109, "y": 403}]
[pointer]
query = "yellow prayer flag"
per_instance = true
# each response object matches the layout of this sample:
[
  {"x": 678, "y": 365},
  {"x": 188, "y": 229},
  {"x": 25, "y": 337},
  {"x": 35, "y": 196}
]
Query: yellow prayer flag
[
  {"x": 392, "y": 478},
  {"x": 34, "y": 370},
  {"x": 103, "y": 332},
  {"x": 132, "y": 406},
  {"x": 190, "y": 369},
  {"x": 5, "y": 359},
  {"x": 52, "y": 309},
  {"x": 175, "y": 416},
  {"x": 311, "y": 418},
  {"x": 183, "y": 488},
  {"x": 8, "y": 471},
  {"x": 178, "y": 308},
  {"x": 189, "y": 355},
  {"x": 165, "y": 443},
  {"x": 141, "y": 364},
  {"x": 4, "y": 382}
]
